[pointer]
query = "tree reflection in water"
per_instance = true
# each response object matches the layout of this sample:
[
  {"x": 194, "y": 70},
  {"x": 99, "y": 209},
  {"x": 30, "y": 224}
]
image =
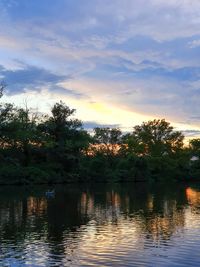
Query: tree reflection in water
[{"x": 94, "y": 224}]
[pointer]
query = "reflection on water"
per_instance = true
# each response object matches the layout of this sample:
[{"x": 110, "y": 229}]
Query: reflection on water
[
  {"x": 193, "y": 197},
  {"x": 102, "y": 225}
]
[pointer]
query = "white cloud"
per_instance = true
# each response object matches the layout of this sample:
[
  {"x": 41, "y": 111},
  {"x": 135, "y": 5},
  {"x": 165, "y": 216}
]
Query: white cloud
[
  {"x": 194, "y": 43},
  {"x": 98, "y": 50}
]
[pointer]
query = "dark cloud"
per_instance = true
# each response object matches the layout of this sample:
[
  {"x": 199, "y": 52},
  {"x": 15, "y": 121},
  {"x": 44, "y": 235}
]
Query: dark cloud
[
  {"x": 29, "y": 78},
  {"x": 67, "y": 91},
  {"x": 33, "y": 78}
]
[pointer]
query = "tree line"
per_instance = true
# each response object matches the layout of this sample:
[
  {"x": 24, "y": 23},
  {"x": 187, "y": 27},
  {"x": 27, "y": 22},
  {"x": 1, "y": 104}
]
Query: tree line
[{"x": 55, "y": 148}]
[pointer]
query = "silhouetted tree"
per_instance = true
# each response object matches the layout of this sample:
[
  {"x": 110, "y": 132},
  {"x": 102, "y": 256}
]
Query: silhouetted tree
[
  {"x": 158, "y": 137},
  {"x": 107, "y": 140},
  {"x": 35, "y": 147},
  {"x": 195, "y": 146}
]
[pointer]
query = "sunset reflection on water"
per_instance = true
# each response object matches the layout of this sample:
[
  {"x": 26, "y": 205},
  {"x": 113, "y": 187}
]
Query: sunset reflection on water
[
  {"x": 193, "y": 196},
  {"x": 101, "y": 226}
]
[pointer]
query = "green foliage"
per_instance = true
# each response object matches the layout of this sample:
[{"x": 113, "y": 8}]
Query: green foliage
[
  {"x": 107, "y": 140},
  {"x": 131, "y": 145},
  {"x": 10, "y": 174},
  {"x": 158, "y": 138},
  {"x": 59, "y": 127},
  {"x": 195, "y": 146},
  {"x": 194, "y": 173},
  {"x": 39, "y": 148}
]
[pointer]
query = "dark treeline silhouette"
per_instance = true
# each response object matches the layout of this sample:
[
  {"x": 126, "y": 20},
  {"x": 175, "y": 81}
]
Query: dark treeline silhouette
[{"x": 55, "y": 148}]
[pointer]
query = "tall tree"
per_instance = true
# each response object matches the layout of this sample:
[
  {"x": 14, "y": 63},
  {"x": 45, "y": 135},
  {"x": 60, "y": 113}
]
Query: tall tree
[
  {"x": 195, "y": 146},
  {"x": 65, "y": 137},
  {"x": 158, "y": 137},
  {"x": 60, "y": 126},
  {"x": 107, "y": 140}
]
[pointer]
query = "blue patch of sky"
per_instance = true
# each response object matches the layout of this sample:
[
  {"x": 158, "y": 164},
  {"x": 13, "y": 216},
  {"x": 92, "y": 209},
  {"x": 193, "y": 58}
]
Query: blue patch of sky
[
  {"x": 108, "y": 70},
  {"x": 136, "y": 43},
  {"x": 45, "y": 9}
]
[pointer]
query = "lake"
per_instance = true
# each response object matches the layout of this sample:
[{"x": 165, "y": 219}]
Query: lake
[{"x": 100, "y": 225}]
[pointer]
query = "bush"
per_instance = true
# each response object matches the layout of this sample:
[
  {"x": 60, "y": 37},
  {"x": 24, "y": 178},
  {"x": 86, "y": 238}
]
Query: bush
[{"x": 10, "y": 174}]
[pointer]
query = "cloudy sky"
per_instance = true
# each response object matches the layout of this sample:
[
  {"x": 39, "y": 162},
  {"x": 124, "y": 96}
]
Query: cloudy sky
[{"x": 118, "y": 62}]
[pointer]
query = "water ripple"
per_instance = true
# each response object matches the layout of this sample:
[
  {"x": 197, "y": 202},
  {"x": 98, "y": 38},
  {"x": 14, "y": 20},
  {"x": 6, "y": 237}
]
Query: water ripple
[{"x": 101, "y": 227}]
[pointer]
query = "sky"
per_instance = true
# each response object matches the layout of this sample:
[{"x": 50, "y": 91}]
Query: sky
[{"x": 117, "y": 62}]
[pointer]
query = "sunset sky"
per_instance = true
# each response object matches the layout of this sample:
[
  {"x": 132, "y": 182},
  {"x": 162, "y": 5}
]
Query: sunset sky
[{"x": 117, "y": 62}]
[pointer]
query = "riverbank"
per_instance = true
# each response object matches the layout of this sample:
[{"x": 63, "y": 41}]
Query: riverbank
[{"x": 19, "y": 175}]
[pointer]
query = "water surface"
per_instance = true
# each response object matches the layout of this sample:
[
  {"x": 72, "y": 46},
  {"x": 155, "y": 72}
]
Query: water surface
[{"x": 100, "y": 225}]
